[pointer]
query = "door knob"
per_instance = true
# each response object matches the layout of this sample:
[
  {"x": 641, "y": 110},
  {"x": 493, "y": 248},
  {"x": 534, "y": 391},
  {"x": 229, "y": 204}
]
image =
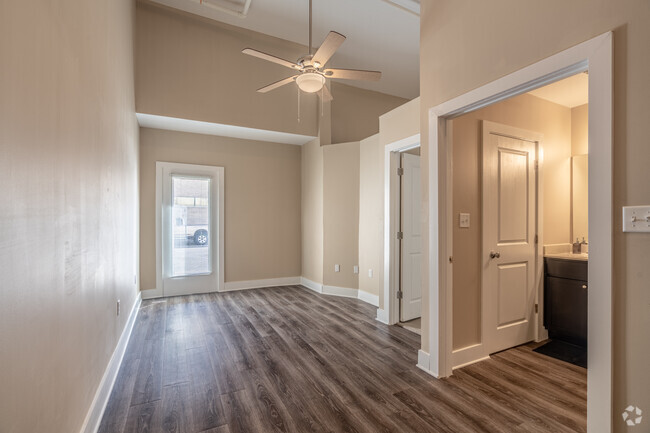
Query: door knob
[{"x": 495, "y": 254}]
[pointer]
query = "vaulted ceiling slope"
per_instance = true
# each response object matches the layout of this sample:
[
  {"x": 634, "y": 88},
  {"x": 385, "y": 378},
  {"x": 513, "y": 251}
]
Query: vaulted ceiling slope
[{"x": 380, "y": 35}]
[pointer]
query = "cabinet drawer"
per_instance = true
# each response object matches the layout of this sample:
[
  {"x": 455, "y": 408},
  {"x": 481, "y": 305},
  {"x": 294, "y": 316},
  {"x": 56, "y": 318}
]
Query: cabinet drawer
[{"x": 560, "y": 268}]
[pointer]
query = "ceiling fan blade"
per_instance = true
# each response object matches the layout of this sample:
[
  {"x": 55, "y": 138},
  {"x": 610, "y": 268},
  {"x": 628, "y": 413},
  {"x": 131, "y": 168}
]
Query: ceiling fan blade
[
  {"x": 277, "y": 84},
  {"x": 353, "y": 74},
  {"x": 325, "y": 94},
  {"x": 332, "y": 43},
  {"x": 270, "y": 58}
]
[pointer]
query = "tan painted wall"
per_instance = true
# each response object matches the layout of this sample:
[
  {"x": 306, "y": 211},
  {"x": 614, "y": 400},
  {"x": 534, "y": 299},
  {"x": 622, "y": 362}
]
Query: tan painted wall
[
  {"x": 525, "y": 112},
  {"x": 355, "y": 112},
  {"x": 68, "y": 225},
  {"x": 262, "y": 201},
  {"x": 371, "y": 216},
  {"x": 502, "y": 36},
  {"x": 402, "y": 122},
  {"x": 341, "y": 214},
  {"x": 579, "y": 130},
  {"x": 312, "y": 211},
  {"x": 192, "y": 68}
]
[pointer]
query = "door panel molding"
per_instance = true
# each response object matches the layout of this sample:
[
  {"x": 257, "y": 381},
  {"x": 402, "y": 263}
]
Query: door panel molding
[{"x": 509, "y": 192}]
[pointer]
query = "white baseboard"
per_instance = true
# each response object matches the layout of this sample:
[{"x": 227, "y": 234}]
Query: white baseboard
[
  {"x": 424, "y": 360},
  {"x": 340, "y": 291},
  {"x": 98, "y": 406},
  {"x": 382, "y": 316},
  {"x": 151, "y": 294},
  {"x": 259, "y": 284},
  {"x": 316, "y": 287},
  {"x": 468, "y": 355},
  {"x": 369, "y": 298}
]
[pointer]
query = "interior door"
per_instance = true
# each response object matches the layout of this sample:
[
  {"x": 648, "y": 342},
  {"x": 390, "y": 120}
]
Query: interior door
[
  {"x": 411, "y": 302},
  {"x": 509, "y": 228},
  {"x": 190, "y": 214}
]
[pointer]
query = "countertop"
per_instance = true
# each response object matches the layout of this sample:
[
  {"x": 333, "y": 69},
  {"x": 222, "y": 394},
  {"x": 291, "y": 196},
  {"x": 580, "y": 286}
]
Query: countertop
[{"x": 568, "y": 256}]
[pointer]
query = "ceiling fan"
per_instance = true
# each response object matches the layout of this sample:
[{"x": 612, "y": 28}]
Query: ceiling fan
[{"x": 311, "y": 75}]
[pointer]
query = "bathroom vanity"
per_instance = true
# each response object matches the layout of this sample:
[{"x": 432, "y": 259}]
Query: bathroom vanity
[{"x": 565, "y": 297}]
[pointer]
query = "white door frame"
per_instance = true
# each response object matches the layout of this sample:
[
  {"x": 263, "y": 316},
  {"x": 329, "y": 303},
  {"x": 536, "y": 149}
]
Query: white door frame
[
  {"x": 594, "y": 55},
  {"x": 390, "y": 313},
  {"x": 218, "y": 175}
]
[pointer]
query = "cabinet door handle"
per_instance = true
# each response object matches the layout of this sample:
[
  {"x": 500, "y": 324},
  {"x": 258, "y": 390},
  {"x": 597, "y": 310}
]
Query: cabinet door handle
[
  {"x": 495, "y": 254},
  {"x": 584, "y": 286}
]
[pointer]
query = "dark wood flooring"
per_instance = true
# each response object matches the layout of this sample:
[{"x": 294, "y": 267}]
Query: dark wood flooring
[{"x": 290, "y": 360}]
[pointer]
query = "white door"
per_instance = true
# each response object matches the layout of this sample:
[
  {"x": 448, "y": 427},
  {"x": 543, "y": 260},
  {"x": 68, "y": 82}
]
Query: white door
[
  {"x": 509, "y": 228},
  {"x": 191, "y": 227},
  {"x": 411, "y": 303}
]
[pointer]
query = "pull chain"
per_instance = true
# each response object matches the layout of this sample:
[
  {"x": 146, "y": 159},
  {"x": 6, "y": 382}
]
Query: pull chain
[
  {"x": 298, "y": 103},
  {"x": 322, "y": 104}
]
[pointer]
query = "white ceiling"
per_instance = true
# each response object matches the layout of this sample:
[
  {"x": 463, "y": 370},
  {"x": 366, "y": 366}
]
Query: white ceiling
[
  {"x": 570, "y": 92},
  {"x": 380, "y": 36}
]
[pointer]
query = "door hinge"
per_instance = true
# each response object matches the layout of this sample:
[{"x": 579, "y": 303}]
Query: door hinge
[
  {"x": 536, "y": 164},
  {"x": 400, "y": 235},
  {"x": 400, "y": 171},
  {"x": 400, "y": 294},
  {"x": 536, "y": 308},
  {"x": 536, "y": 239}
]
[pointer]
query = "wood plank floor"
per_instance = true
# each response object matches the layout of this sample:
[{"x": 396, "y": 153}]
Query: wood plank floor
[{"x": 290, "y": 360}]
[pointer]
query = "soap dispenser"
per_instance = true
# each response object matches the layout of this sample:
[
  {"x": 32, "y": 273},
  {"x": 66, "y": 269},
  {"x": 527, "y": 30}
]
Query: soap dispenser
[{"x": 576, "y": 246}]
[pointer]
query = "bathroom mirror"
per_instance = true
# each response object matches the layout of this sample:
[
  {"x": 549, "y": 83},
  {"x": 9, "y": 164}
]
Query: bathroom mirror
[{"x": 579, "y": 197}]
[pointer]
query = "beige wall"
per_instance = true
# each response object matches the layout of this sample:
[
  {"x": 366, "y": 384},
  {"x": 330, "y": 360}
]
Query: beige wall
[
  {"x": 371, "y": 216},
  {"x": 262, "y": 201},
  {"x": 192, "y": 68},
  {"x": 312, "y": 211},
  {"x": 579, "y": 130},
  {"x": 524, "y": 112},
  {"x": 402, "y": 122},
  {"x": 355, "y": 112},
  {"x": 341, "y": 214},
  {"x": 502, "y": 36},
  {"x": 68, "y": 225}
]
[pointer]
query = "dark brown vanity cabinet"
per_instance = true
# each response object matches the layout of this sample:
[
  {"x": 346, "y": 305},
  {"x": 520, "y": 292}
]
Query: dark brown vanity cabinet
[{"x": 565, "y": 300}]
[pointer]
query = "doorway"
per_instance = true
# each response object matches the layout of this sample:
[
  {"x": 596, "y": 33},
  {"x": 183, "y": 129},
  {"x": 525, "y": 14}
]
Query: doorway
[
  {"x": 594, "y": 56},
  {"x": 410, "y": 240},
  {"x": 189, "y": 228},
  {"x": 402, "y": 213}
]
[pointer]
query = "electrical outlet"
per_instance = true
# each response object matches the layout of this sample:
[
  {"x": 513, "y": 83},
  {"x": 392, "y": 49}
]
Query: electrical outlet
[
  {"x": 118, "y": 307},
  {"x": 135, "y": 279},
  {"x": 356, "y": 269},
  {"x": 337, "y": 268},
  {"x": 369, "y": 273}
]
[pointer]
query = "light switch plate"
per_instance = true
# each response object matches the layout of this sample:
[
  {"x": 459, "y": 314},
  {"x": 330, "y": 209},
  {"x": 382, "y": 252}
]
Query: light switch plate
[
  {"x": 636, "y": 219},
  {"x": 337, "y": 268},
  {"x": 463, "y": 220},
  {"x": 369, "y": 273},
  {"x": 356, "y": 269}
]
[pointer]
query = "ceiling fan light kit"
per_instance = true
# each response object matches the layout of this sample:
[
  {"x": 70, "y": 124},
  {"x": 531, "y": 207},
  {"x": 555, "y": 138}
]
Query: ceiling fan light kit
[
  {"x": 310, "y": 82},
  {"x": 311, "y": 77}
]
